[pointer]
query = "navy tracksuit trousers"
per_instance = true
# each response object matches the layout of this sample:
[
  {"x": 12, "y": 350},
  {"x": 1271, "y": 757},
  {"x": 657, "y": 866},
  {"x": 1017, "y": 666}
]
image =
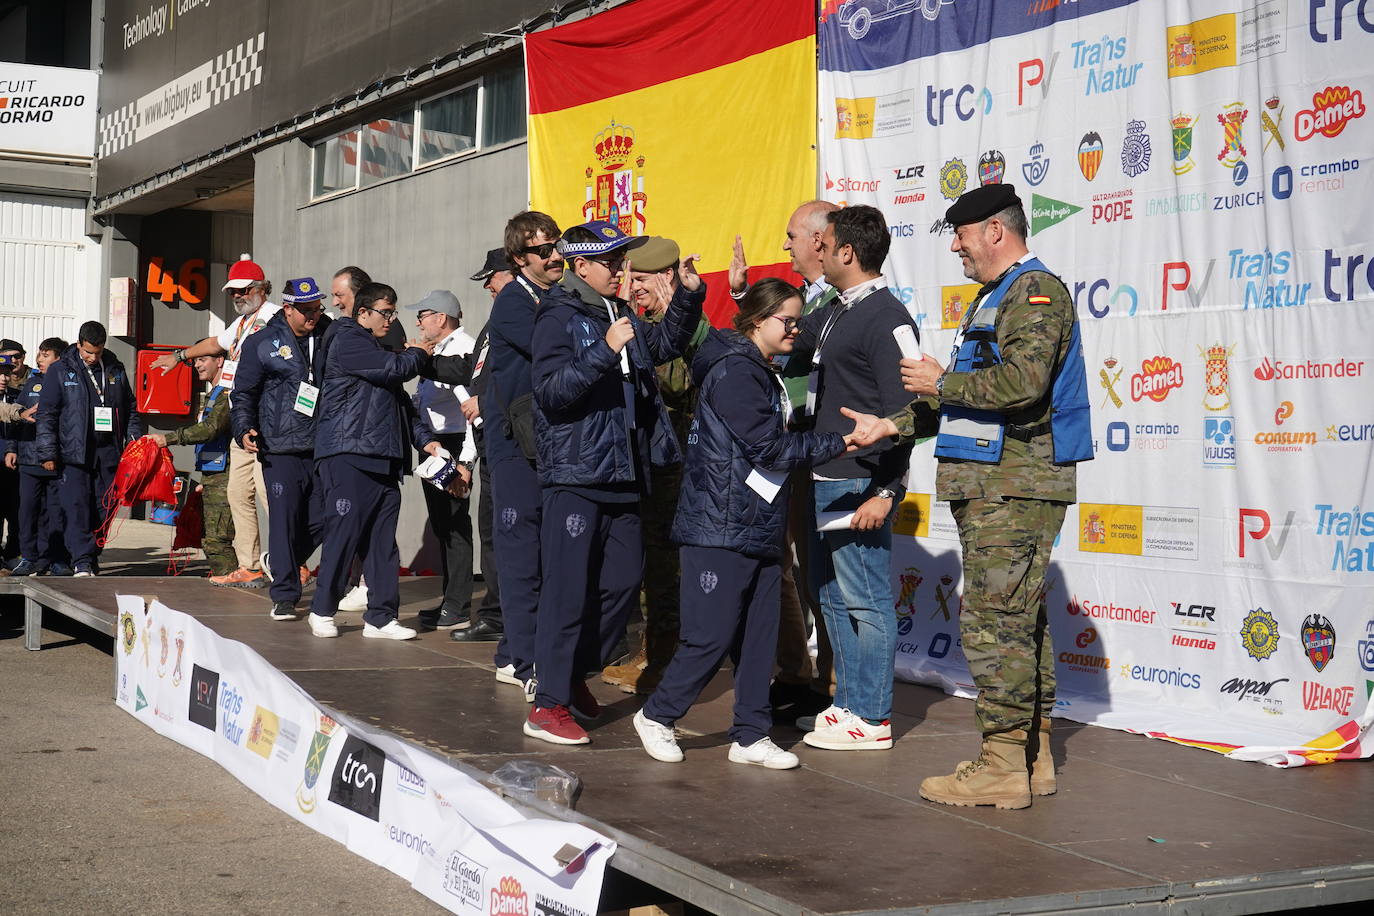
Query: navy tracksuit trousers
[
  {"x": 40, "y": 516},
  {"x": 360, "y": 513},
  {"x": 295, "y": 519},
  {"x": 730, "y": 604},
  {"x": 516, "y": 512},
  {"x": 593, "y": 559},
  {"x": 83, "y": 497}
]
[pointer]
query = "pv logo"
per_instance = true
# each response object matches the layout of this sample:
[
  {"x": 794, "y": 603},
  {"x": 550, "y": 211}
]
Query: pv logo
[
  {"x": 708, "y": 581},
  {"x": 575, "y": 524},
  {"x": 358, "y": 778}
]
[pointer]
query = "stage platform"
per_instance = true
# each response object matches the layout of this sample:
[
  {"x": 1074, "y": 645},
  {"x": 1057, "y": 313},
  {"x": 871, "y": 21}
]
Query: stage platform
[{"x": 1138, "y": 824}]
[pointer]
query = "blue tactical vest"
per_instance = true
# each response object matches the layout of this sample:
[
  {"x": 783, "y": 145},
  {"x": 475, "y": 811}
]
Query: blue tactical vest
[
  {"x": 978, "y": 435},
  {"x": 213, "y": 455}
]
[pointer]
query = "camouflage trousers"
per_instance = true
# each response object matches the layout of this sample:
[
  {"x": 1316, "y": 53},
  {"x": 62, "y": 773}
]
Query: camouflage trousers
[
  {"x": 1004, "y": 626},
  {"x": 217, "y": 537}
]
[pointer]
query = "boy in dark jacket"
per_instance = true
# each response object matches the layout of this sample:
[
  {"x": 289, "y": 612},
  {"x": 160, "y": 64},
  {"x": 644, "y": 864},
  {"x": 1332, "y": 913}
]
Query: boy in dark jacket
[
  {"x": 600, "y": 425},
  {"x": 40, "y": 500},
  {"x": 86, "y": 416}
]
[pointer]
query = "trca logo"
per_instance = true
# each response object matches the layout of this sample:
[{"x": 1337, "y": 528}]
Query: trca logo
[
  {"x": 1330, "y": 20},
  {"x": 1256, "y": 525},
  {"x": 358, "y": 775}
]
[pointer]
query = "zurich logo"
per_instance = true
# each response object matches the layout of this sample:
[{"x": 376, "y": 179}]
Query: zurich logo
[
  {"x": 277, "y": 490},
  {"x": 576, "y": 524},
  {"x": 708, "y": 581},
  {"x": 342, "y": 506},
  {"x": 508, "y": 517}
]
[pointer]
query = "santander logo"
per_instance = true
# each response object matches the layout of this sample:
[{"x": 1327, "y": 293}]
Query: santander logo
[{"x": 1275, "y": 370}]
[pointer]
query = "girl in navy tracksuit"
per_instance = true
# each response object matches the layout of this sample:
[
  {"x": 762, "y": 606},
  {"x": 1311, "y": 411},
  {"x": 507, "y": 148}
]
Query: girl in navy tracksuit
[{"x": 730, "y": 519}]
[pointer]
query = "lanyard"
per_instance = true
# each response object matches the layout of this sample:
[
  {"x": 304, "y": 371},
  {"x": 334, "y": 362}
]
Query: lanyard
[
  {"x": 310, "y": 360},
  {"x": 625, "y": 350},
  {"x": 786, "y": 398},
  {"x": 529, "y": 288},
  {"x": 244, "y": 322},
  {"x": 99, "y": 391}
]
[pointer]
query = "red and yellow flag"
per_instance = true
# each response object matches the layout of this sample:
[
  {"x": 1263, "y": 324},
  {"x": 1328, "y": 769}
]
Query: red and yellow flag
[{"x": 694, "y": 121}]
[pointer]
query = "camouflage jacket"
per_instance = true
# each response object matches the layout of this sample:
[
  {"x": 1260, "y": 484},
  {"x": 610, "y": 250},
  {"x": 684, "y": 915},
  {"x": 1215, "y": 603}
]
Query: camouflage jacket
[{"x": 1033, "y": 341}]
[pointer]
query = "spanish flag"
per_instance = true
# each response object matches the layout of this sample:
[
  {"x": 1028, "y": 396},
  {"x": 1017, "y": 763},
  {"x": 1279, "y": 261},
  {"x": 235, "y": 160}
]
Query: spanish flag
[{"x": 695, "y": 121}]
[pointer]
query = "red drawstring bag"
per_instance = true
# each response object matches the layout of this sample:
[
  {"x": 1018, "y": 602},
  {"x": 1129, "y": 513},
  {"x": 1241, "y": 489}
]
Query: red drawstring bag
[
  {"x": 189, "y": 531},
  {"x": 145, "y": 472}
]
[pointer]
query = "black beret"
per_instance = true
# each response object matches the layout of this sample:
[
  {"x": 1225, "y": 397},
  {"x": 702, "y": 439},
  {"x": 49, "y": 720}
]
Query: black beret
[{"x": 980, "y": 203}]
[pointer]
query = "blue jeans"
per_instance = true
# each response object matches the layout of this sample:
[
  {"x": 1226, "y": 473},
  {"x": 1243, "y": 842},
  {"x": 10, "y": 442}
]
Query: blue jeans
[{"x": 851, "y": 573}]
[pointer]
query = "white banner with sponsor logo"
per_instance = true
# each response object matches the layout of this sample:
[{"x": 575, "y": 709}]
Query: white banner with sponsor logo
[
  {"x": 47, "y": 110},
  {"x": 390, "y": 802},
  {"x": 1196, "y": 171}
]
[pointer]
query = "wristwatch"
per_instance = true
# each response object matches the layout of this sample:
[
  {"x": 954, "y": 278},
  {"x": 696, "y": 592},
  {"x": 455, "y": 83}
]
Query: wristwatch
[
  {"x": 940, "y": 386},
  {"x": 885, "y": 493}
]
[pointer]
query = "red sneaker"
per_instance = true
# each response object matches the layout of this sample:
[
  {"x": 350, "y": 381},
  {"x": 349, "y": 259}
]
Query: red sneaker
[
  {"x": 554, "y": 725},
  {"x": 584, "y": 705}
]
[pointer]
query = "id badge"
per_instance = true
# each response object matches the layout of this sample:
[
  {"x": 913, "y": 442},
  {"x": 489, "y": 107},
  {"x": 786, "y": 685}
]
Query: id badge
[
  {"x": 104, "y": 419},
  {"x": 227, "y": 373},
  {"x": 306, "y": 396}
]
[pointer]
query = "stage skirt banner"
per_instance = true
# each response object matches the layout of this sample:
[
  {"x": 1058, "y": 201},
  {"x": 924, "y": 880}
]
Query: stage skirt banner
[
  {"x": 694, "y": 121},
  {"x": 1199, "y": 174},
  {"x": 392, "y": 803}
]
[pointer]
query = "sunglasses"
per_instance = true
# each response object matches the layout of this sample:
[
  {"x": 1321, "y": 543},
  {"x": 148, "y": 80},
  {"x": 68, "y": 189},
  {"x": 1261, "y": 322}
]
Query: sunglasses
[
  {"x": 611, "y": 264},
  {"x": 544, "y": 251},
  {"x": 789, "y": 324},
  {"x": 305, "y": 310},
  {"x": 240, "y": 293}
]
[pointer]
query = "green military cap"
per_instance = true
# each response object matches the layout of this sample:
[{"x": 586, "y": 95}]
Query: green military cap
[{"x": 657, "y": 253}]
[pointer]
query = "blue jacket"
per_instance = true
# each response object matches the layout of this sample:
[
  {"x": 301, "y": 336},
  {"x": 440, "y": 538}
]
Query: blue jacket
[
  {"x": 739, "y": 426},
  {"x": 272, "y": 365},
  {"x": 21, "y": 436},
  {"x": 66, "y": 409},
  {"x": 511, "y": 332},
  {"x": 594, "y": 427},
  {"x": 363, "y": 410}
]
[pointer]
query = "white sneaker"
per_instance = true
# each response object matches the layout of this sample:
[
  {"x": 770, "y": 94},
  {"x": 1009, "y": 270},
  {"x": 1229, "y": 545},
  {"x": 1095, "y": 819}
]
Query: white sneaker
[
  {"x": 829, "y": 717},
  {"x": 660, "y": 743},
  {"x": 392, "y": 630},
  {"x": 322, "y": 626},
  {"x": 764, "y": 753},
  {"x": 355, "y": 600},
  {"x": 506, "y": 675},
  {"x": 531, "y": 688},
  {"x": 852, "y": 734},
  {"x": 262, "y": 561}
]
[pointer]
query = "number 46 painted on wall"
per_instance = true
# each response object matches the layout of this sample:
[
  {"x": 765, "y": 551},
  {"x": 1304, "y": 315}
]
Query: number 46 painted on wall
[{"x": 190, "y": 286}]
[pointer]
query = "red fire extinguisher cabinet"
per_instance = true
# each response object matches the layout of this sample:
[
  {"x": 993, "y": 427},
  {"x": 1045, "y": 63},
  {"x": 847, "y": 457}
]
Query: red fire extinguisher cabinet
[{"x": 159, "y": 391}]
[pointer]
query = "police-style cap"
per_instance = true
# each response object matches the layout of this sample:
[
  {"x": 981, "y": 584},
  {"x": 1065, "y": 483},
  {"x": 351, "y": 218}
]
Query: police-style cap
[
  {"x": 496, "y": 260},
  {"x": 438, "y": 300},
  {"x": 301, "y": 290},
  {"x": 608, "y": 238},
  {"x": 657, "y": 253},
  {"x": 980, "y": 203},
  {"x": 11, "y": 346}
]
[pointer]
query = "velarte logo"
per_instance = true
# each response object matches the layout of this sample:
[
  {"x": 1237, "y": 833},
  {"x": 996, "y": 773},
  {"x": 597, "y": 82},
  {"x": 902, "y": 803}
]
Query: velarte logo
[
  {"x": 1157, "y": 377},
  {"x": 1332, "y": 109},
  {"x": 1317, "y": 697}
]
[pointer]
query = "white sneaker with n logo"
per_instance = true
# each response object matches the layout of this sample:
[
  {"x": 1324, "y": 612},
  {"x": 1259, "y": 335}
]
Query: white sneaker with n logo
[
  {"x": 826, "y": 719},
  {"x": 851, "y": 733}
]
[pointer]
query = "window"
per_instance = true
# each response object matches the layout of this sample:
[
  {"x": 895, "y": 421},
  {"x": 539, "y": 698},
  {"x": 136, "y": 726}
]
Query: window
[{"x": 485, "y": 112}]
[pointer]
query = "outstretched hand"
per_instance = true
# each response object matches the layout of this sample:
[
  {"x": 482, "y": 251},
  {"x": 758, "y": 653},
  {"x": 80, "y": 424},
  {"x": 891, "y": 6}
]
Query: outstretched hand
[
  {"x": 868, "y": 429},
  {"x": 690, "y": 279}
]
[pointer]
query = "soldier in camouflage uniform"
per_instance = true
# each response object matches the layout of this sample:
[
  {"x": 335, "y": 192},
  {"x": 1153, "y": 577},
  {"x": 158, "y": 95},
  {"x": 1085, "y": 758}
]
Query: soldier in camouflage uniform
[
  {"x": 1008, "y": 511},
  {"x": 641, "y": 672},
  {"x": 211, "y": 436}
]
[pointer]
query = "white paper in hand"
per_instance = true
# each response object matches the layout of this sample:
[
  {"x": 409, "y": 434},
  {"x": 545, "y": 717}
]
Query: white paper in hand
[
  {"x": 766, "y": 483},
  {"x": 905, "y": 336}
]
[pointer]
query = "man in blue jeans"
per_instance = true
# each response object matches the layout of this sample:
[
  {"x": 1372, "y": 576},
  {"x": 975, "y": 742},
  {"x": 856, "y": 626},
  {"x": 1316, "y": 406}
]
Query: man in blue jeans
[{"x": 856, "y": 360}]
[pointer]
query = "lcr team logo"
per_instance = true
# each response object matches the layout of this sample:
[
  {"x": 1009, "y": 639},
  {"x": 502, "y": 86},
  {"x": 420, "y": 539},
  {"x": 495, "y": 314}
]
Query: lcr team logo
[
  {"x": 708, "y": 581},
  {"x": 1318, "y": 640},
  {"x": 953, "y": 178},
  {"x": 1090, "y": 154},
  {"x": 1259, "y": 634},
  {"x": 615, "y": 192},
  {"x": 1217, "y": 376},
  {"x": 128, "y": 632},
  {"x": 1135, "y": 149},
  {"x": 1232, "y": 120},
  {"x": 992, "y": 167},
  {"x": 1181, "y": 128}
]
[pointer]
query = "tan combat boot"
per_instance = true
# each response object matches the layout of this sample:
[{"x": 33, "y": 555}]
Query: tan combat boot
[
  {"x": 998, "y": 777},
  {"x": 626, "y": 674},
  {"x": 659, "y": 648},
  {"x": 1040, "y": 759}
]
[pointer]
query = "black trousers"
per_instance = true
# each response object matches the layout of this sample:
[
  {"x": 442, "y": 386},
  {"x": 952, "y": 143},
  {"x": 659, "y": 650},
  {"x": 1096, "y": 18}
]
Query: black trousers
[{"x": 450, "y": 519}]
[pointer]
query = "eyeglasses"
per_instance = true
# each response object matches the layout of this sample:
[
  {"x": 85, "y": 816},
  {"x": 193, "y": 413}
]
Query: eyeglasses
[
  {"x": 611, "y": 264},
  {"x": 307, "y": 311},
  {"x": 789, "y": 324},
  {"x": 544, "y": 251},
  {"x": 240, "y": 293},
  {"x": 387, "y": 315}
]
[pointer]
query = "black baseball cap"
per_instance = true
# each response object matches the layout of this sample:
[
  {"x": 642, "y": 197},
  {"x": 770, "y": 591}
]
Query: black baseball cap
[{"x": 496, "y": 260}]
